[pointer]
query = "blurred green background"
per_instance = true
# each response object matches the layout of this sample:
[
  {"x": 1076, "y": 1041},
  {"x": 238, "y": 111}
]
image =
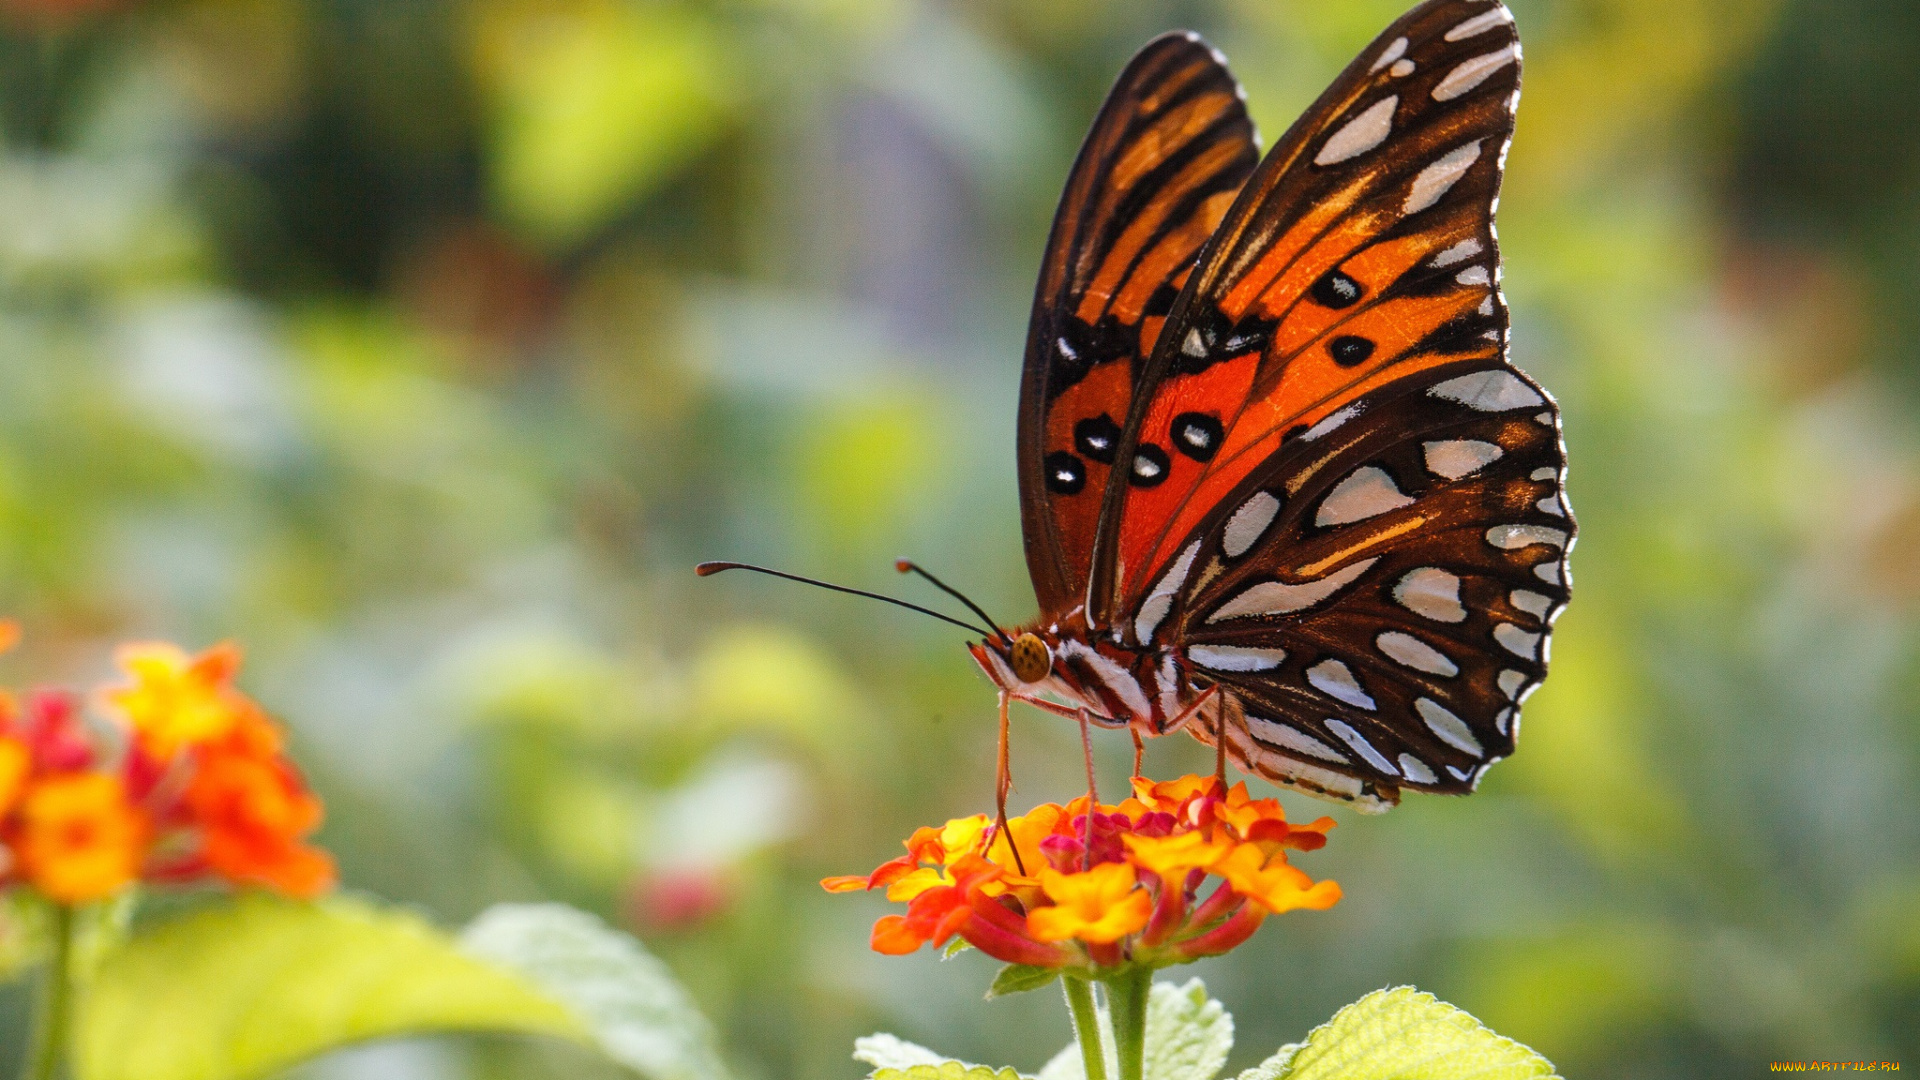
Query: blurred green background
[{"x": 423, "y": 345}]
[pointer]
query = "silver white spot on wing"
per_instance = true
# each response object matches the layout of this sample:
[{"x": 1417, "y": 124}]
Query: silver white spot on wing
[
  {"x": 1416, "y": 770},
  {"x": 1480, "y": 24},
  {"x": 1511, "y": 682},
  {"x": 1503, "y": 721},
  {"x": 1333, "y": 420},
  {"x": 1401, "y": 69},
  {"x": 1544, "y": 419},
  {"x": 1471, "y": 73},
  {"x": 1388, "y": 55},
  {"x": 1280, "y": 598},
  {"x": 1515, "y": 537},
  {"x": 1524, "y": 644},
  {"x": 1549, "y": 572},
  {"x": 1547, "y": 473},
  {"x": 1066, "y": 350},
  {"x": 1160, "y": 601},
  {"x": 1459, "y": 773},
  {"x": 1458, "y": 253},
  {"x": 1552, "y": 505},
  {"x": 1533, "y": 603},
  {"x": 1249, "y": 523},
  {"x": 1451, "y": 729},
  {"x": 1486, "y": 306},
  {"x": 1335, "y": 679},
  {"x": 1455, "y": 458},
  {"x": 1438, "y": 178},
  {"x": 1409, "y": 651},
  {"x": 1236, "y": 657},
  {"x": 1432, "y": 593},
  {"x": 1366, "y": 492},
  {"x": 1362, "y": 747},
  {"x": 1473, "y": 275},
  {"x": 1360, "y": 134},
  {"x": 1193, "y": 345},
  {"x": 1288, "y": 737},
  {"x": 1488, "y": 391}
]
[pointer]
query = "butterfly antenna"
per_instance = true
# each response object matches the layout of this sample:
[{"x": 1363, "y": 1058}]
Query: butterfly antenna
[
  {"x": 908, "y": 566},
  {"x": 706, "y": 569}
]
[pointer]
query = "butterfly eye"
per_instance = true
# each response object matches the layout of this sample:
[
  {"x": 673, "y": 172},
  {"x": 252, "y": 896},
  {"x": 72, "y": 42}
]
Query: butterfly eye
[{"x": 1029, "y": 658}]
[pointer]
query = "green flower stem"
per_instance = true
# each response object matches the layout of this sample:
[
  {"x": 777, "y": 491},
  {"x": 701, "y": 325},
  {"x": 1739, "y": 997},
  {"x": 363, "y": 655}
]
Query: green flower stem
[
  {"x": 1127, "y": 994},
  {"x": 52, "y": 1014},
  {"x": 1086, "y": 1025}
]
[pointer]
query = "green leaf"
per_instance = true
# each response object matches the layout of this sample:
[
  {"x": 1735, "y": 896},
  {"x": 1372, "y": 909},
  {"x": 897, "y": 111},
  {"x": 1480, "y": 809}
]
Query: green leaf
[
  {"x": 248, "y": 987},
  {"x": 1189, "y": 1035},
  {"x": 639, "y": 1015},
  {"x": 1274, "y": 1067},
  {"x": 894, "y": 1058},
  {"x": 948, "y": 1070},
  {"x": 1019, "y": 978},
  {"x": 1403, "y": 1034},
  {"x": 594, "y": 111},
  {"x": 884, "y": 1051}
]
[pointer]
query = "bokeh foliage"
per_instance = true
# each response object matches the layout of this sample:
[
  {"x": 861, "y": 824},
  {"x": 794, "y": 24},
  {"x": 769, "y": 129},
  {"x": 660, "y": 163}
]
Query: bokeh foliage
[{"x": 423, "y": 347}]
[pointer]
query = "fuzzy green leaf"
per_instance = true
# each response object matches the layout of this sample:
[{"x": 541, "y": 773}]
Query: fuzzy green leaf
[
  {"x": 248, "y": 987},
  {"x": 1189, "y": 1035},
  {"x": 884, "y": 1051},
  {"x": 638, "y": 1013},
  {"x": 1403, "y": 1034},
  {"x": 947, "y": 1070},
  {"x": 1019, "y": 978}
]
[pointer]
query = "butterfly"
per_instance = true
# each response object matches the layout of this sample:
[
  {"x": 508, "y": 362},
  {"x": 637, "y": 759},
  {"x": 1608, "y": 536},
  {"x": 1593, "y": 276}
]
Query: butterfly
[
  {"x": 1280, "y": 485},
  {"x": 1279, "y": 482}
]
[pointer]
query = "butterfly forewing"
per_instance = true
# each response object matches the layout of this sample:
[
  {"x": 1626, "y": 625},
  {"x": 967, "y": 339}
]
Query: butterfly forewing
[
  {"x": 1359, "y": 528},
  {"x": 1167, "y": 153},
  {"x": 1360, "y": 253}
]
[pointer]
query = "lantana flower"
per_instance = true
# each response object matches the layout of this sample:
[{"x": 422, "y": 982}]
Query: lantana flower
[
  {"x": 186, "y": 781},
  {"x": 1125, "y": 885}
]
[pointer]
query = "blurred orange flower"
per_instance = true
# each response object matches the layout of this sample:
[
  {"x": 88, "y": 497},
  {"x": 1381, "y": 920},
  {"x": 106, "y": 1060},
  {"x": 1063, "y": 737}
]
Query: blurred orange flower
[
  {"x": 176, "y": 701},
  {"x": 78, "y": 838},
  {"x": 199, "y": 787},
  {"x": 1123, "y": 886},
  {"x": 252, "y": 815}
]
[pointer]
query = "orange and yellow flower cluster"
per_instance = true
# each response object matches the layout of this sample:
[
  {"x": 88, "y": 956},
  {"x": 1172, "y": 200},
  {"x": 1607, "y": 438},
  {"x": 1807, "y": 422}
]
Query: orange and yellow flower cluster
[
  {"x": 186, "y": 780},
  {"x": 1058, "y": 889}
]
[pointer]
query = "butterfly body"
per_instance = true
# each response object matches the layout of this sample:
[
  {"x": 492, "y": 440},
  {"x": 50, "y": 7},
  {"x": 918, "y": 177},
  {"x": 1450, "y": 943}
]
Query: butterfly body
[{"x": 1278, "y": 478}]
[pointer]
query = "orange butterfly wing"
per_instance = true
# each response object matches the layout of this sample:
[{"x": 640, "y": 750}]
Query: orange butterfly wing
[
  {"x": 1360, "y": 253},
  {"x": 1168, "y": 152}
]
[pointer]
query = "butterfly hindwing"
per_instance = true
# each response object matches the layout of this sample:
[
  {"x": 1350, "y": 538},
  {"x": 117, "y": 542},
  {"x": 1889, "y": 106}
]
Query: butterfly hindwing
[
  {"x": 1360, "y": 253},
  {"x": 1170, "y": 148},
  {"x": 1379, "y": 597}
]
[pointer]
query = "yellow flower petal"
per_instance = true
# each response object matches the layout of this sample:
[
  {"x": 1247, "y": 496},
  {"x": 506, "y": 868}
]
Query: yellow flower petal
[{"x": 1099, "y": 906}]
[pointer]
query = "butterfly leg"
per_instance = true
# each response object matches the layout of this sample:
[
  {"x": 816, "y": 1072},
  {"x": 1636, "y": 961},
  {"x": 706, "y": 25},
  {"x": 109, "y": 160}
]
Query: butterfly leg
[
  {"x": 1093, "y": 794},
  {"x": 1003, "y": 783},
  {"x": 1220, "y": 750},
  {"x": 1139, "y": 752}
]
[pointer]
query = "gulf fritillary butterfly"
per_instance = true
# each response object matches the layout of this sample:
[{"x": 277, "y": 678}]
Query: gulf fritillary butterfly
[{"x": 1337, "y": 535}]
